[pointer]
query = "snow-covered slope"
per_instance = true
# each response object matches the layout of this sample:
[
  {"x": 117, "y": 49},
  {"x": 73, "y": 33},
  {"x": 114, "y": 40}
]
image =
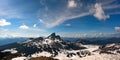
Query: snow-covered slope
[
  {"x": 20, "y": 58},
  {"x": 13, "y": 51}
]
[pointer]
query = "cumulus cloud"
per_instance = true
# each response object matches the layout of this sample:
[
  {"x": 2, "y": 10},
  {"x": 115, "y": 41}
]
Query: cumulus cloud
[
  {"x": 4, "y": 22},
  {"x": 117, "y": 29},
  {"x": 99, "y": 12},
  {"x": 34, "y": 28},
  {"x": 24, "y": 27},
  {"x": 72, "y": 4}
]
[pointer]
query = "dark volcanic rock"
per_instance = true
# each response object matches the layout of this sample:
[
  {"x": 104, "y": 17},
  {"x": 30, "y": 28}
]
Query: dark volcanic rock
[{"x": 53, "y": 36}]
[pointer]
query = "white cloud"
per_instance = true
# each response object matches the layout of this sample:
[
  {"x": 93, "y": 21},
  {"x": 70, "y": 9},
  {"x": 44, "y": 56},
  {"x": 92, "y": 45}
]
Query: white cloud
[
  {"x": 68, "y": 24},
  {"x": 99, "y": 13},
  {"x": 71, "y": 3},
  {"x": 35, "y": 25},
  {"x": 24, "y": 27},
  {"x": 59, "y": 20},
  {"x": 3, "y": 22},
  {"x": 117, "y": 29},
  {"x": 41, "y": 21}
]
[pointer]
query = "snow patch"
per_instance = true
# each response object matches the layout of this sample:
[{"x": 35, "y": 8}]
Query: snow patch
[
  {"x": 20, "y": 58},
  {"x": 13, "y": 51},
  {"x": 44, "y": 53},
  {"x": 47, "y": 41}
]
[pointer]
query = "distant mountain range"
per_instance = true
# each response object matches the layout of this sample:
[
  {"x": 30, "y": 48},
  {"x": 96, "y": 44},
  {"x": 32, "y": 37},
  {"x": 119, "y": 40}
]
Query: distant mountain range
[
  {"x": 100, "y": 41},
  {"x": 4, "y": 41},
  {"x": 93, "y": 40}
]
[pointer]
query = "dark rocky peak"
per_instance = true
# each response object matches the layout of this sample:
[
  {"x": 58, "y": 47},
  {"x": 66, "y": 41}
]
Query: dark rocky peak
[
  {"x": 53, "y": 36},
  {"x": 38, "y": 39},
  {"x": 31, "y": 38},
  {"x": 58, "y": 37}
]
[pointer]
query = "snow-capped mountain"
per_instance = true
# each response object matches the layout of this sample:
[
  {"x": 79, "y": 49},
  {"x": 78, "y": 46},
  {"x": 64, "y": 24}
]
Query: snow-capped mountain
[{"x": 54, "y": 46}]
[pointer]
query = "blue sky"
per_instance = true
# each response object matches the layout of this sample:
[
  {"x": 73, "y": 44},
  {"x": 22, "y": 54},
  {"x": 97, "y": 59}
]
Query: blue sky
[{"x": 69, "y": 18}]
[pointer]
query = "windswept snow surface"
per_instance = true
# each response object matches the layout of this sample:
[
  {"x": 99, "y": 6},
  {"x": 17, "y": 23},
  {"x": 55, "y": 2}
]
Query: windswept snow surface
[
  {"x": 13, "y": 51},
  {"x": 63, "y": 55},
  {"x": 41, "y": 54},
  {"x": 91, "y": 47},
  {"x": 20, "y": 58},
  {"x": 101, "y": 57}
]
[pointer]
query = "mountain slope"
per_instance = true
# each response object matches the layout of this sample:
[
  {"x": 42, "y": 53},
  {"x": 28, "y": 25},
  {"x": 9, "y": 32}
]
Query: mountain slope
[
  {"x": 52, "y": 44},
  {"x": 55, "y": 47}
]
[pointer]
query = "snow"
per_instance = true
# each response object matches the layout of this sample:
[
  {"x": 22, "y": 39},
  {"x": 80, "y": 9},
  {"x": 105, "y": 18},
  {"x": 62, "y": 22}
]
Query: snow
[
  {"x": 115, "y": 45},
  {"x": 94, "y": 56},
  {"x": 20, "y": 58},
  {"x": 57, "y": 40},
  {"x": 72, "y": 51},
  {"x": 91, "y": 47},
  {"x": 109, "y": 45},
  {"x": 13, "y": 51},
  {"x": 47, "y": 41},
  {"x": 44, "y": 53},
  {"x": 101, "y": 57},
  {"x": 62, "y": 56}
]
